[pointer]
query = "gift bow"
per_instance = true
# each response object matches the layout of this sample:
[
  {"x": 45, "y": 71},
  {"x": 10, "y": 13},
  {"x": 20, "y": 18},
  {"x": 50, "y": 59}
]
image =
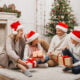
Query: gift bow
[
  {"x": 39, "y": 56},
  {"x": 31, "y": 60}
]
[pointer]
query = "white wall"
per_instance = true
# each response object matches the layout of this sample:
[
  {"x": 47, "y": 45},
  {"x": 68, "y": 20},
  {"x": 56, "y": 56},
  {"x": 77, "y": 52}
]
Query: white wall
[
  {"x": 28, "y": 9},
  {"x": 75, "y": 4}
]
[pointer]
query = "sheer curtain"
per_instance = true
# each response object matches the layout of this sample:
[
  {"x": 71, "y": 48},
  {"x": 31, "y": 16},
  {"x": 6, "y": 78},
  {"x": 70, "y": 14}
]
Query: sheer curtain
[{"x": 42, "y": 15}]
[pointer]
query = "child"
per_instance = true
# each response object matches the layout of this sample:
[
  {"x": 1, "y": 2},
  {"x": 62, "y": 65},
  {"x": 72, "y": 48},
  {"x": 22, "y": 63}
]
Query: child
[
  {"x": 58, "y": 39},
  {"x": 32, "y": 46},
  {"x": 73, "y": 50}
]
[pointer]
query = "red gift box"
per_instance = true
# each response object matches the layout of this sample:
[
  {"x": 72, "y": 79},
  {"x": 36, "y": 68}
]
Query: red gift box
[
  {"x": 31, "y": 62},
  {"x": 38, "y": 54}
]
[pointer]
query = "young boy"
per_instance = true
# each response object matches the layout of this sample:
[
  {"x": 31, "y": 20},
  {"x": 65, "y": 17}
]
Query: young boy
[
  {"x": 72, "y": 49},
  {"x": 58, "y": 39}
]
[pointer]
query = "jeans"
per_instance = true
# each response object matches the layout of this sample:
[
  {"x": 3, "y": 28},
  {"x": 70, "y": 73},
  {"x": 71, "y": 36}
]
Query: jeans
[
  {"x": 67, "y": 52},
  {"x": 75, "y": 69},
  {"x": 46, "y": 59}
]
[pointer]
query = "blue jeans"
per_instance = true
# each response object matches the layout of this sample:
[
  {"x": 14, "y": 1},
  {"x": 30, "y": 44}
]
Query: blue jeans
[
  {"x": 46, "y": 59},
  {"x": 76, "y": 69}
]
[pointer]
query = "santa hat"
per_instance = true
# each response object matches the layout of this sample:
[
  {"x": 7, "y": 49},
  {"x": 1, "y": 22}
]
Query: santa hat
[
  {"x": 31, "y": 36},
  {"x": 16, "y": 26},
  {"x": 75, "y": 35},
  {"x": 62, "y": 26}
]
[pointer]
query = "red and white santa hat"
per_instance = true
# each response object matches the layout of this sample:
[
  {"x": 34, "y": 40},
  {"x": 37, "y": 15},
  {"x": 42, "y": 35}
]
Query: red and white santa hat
[
  {"x": 16, "y": 26},
  {"x": 75, "y": 35},
  {"x": 62, "y": 26},
  {"x": 31, "y": 36}
]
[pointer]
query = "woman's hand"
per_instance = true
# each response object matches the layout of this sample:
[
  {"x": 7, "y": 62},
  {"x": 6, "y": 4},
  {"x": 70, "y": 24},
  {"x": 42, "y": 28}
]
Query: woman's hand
[
  {"x": 22, "y": 62},
  {"x": 1, "y": 67}
]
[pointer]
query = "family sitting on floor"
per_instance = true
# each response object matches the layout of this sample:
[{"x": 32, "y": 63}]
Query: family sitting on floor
[{"x": 19, "y": 48}]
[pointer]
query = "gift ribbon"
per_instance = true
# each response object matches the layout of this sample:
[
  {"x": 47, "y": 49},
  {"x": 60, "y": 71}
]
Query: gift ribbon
[
  {"x": 63, "y": 57},
  {"x": 38, "y": 57},
  {"x": 56, "y": 60},
  {"x": 31, "y": 60}
]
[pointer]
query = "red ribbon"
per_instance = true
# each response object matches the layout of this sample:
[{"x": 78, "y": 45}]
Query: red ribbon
[
  {"x": 63, "y": 57},
  {"x": 57, "y": 57},
  {"x": 38, "y": 57},
  {"x": 31, "y": 60}
]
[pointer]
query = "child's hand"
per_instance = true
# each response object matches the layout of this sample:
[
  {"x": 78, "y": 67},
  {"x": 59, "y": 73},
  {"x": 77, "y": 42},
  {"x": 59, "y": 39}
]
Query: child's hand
[
  {"x": 70, "y": 66},
  {"x": 50, "y": 54},
  {"x": 43, "y": 59},
  {"x": 37, "y": 59}
]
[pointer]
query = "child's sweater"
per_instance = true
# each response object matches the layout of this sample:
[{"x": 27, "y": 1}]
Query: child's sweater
[
  {"x": 75, "y": 49},
  {"x": 28, "y": 52},
  {"x": 55, "y": 45}
]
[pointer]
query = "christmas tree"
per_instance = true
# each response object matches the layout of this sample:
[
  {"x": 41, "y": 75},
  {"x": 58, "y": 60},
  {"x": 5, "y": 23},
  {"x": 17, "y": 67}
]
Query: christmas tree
[{"x": 61, "y": 11}]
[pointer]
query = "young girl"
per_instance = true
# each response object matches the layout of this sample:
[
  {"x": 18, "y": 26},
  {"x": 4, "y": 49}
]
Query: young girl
[
  {"x": 32, "y": 46},
  {"x": 72, "y": 49}
]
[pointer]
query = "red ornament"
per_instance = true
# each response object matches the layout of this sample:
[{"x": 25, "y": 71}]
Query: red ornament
[
  {"x": 59, "y": 17},
  {"x": 53, "y": 10}
]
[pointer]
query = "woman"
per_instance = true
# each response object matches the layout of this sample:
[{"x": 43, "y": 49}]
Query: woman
[{"x": 15, "y": 48}]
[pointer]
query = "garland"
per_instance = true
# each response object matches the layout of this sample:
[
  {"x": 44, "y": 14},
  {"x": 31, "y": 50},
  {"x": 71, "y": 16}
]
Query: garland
[{"x": 9, "y": 10}]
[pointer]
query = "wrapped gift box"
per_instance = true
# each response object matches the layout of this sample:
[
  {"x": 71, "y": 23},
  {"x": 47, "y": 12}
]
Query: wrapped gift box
[
  {"x": 54, "y": 56},
  {"x": 31, "y": 63},
  {"x": 35, "y": 54},
  {"x": 38, "y": 54},
  {"x": 65, "y": 60},
  {"x": 68, "y": 61}
]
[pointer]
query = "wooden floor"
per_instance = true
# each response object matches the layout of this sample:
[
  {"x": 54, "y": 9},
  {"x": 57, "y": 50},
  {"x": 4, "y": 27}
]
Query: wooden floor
[{"x": 4, "y": 78}]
